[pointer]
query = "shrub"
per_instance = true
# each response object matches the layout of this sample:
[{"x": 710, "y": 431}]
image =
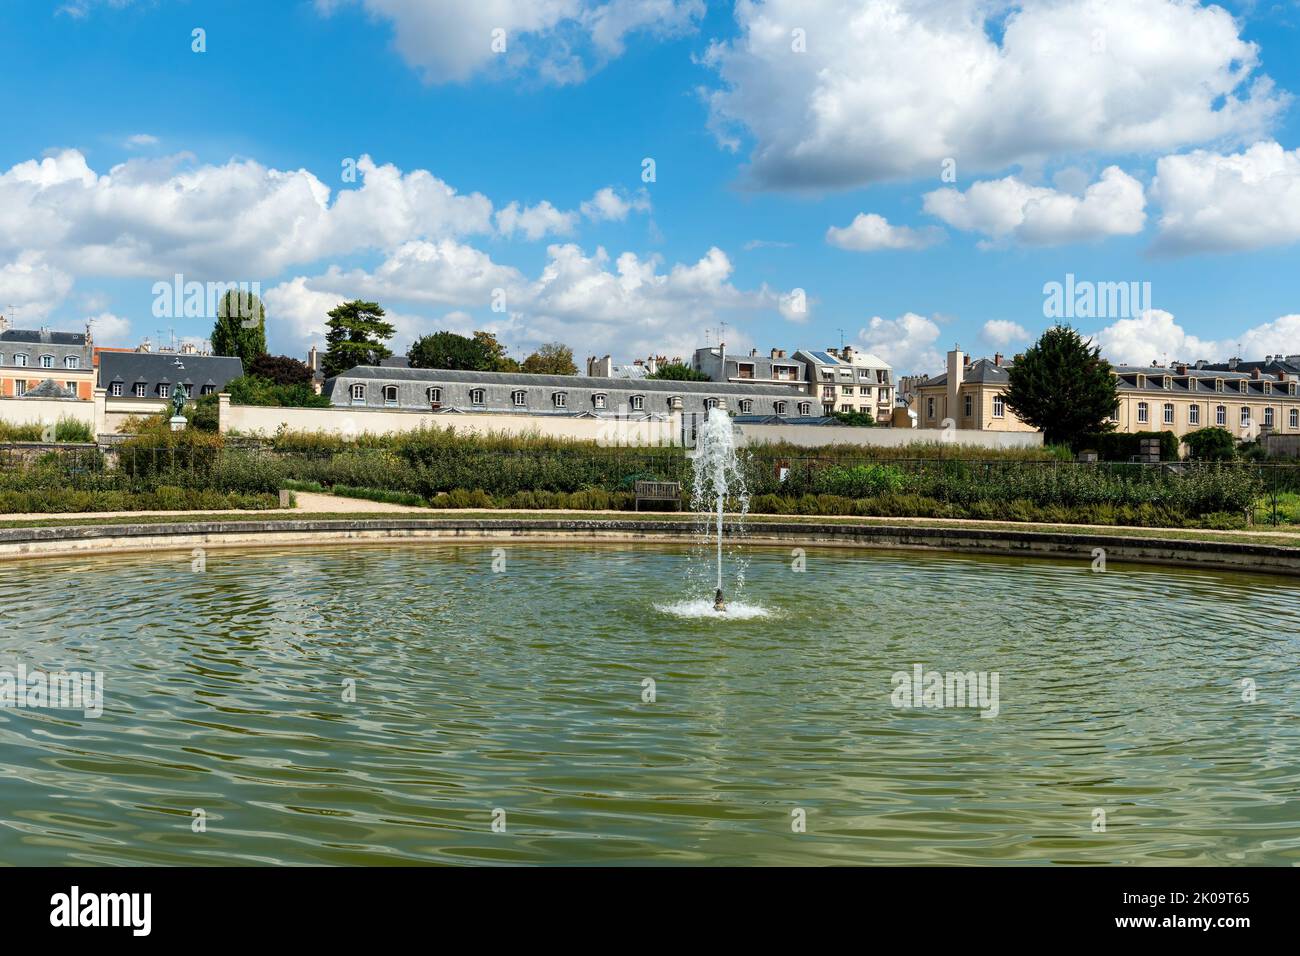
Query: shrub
[{"x": 1211, "y": 444}]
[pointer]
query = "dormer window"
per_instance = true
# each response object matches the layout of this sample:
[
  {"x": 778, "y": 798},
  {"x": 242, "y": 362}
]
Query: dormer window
[
  {"x": 390, "y": 395},
  {"x": 434, "y": 395},
  {"x": 1290, "y": 388},
  {"x": 139, "y": 389},
  {"x": 638, "y": 403},
  {"x": 164, "y": 391},
  {"x": 519, "y": 398},
  {"x": 1141, "y": 380},
  {"x": 21, "y": 360},
  {"x": 1268, "y": 388},
  {"x": 477, "y": 396},
  {"x": 746, "y": 406},
  {"x": 1168, "y": 381},
  {"x": 710, "y": 403},
  {"x": 805, "y": 408},
  {"x": 779, "y": 408},
  {"x": 599, "y": 400},
  {"x": 358, "y": 394},
  {"x": 47, "y": 361},
  {"x": 1218, "y": 384},
  {"x": 1243, "y": 386},
  {"x": 116, "y": 389},
  {"x": 70, "y": 361},
  {"x": 560, "y": 399}
]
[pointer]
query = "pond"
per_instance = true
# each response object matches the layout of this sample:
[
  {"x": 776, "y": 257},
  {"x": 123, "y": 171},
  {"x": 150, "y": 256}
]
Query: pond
[{"x": 527, "y": 703}]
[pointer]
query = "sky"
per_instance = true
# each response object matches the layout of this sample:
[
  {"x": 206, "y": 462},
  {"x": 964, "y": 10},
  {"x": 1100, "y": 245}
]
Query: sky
[{"x": 644, "y": 178}]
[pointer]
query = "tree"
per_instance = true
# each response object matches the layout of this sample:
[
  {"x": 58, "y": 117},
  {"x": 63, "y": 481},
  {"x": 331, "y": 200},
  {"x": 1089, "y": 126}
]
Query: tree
[
  {"x": 479, "y": 353},
  {"x": 279, "y": 370},
  {"x": 553, "y": 358},
  {"x": 240, "y": 329},
  {"x": 1063, "y": 387},
  {"x": 856, "y": 419},
  {"x": 1211, "y": 444},
  {"x": 356, "y": 335},
  {"x": 678, "y": 372}
]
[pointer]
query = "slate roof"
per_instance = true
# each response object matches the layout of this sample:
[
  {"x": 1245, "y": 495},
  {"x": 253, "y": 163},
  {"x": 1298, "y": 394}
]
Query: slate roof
[
  {"x": 49, "y": 389},
  {"x": 155, "y": 367},
  {"x": 560, "y": 381},
  {"x": 42, "y": 337},
  {"x": 979, "y": 372}
]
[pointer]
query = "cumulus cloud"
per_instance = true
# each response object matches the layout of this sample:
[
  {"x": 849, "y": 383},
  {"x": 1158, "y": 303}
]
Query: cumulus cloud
[
  {"x": 1155, "y": 335},
  {"x": 907, "y": 343},
  {"x": 1212, "y": 202},
  {"x": 935, "y": 84},
  {"x": 869, "y": 232},
  {"x": 609, "y": 205},
  {"x": 109, "y": 329},
  {"x": 560, "y": 40},
  {"x": 32, "y": 287},
  {"x": 1003, "y": 333},
  {"x": 1011, "y": 209},
  {"x": 534, "y": 222}
]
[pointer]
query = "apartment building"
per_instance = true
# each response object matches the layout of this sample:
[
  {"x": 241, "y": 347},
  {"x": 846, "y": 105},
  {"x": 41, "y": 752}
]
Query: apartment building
[
  {"x": 847, "y": 380},
  {"x": 771, "y": 369},
  {"x": 59, "y": 364},
  {"x": 970, "y": 393}
]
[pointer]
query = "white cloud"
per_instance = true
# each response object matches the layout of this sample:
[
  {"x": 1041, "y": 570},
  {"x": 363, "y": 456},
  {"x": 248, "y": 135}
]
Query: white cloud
[
  {"x": 1003, "y": 333},
  {"x": 109, "y": 329},
  {"x": 608, "y": 205},
  {"x": 139, "y": 140},
  {"x": 907, "y": 343},
  {"x": 891, "y": 88},
  {"x": 560, "y": 40},
  {"x": 32, "y": 287},
  {"x": 535, "y": 221},
  {"x": 1009, "y": 208},
  {"x": 1155, "y": 335},
  {"x": 870, "y": 232},
  {"x": 628, "y": 305},
  {"x": 1215, "y": 202}
]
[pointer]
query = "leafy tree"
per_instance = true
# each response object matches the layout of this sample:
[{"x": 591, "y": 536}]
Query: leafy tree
[
  {"x": 553, "y": 358},
  {"x": 240, "y": 329},
  {"x": 250, "y": 390},
  {"x": 356, "y": 335},
  {"x": 859, "y": 419},
  {"x": 280, "y": 369},
  {"x": 1211, "y": 444},
  {"x": 678, "y": 372},
  {"x": 478, "y": 353},
  {"x": 1063, "y": 387}
]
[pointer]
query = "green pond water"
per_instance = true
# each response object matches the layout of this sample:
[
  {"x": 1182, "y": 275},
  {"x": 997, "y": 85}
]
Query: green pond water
[{"x": 522, "y": 692}]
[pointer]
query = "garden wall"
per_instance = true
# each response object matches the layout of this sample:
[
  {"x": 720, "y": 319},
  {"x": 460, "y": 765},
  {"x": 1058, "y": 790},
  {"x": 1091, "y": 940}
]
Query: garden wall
[
  {"x": 45, "y": 411},
  {"x": 813, "y": 436}
]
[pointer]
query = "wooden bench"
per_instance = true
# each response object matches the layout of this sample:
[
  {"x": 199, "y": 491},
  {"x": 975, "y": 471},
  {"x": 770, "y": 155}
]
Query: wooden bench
[{"x": 659, "y": 491}]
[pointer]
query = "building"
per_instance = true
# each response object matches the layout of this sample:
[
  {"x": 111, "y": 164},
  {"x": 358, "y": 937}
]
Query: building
[
  {"x": 1239, "y": 396},
  {"x": 451, "y": 391},
  {"x": 604, "y": 367},
  {"x": 771, "y": 369},
  {"x": 846, "y": 380},
  {"x": 151, "y": 377},
  {"x": 970, "y": 393},
  {"x": 31, "y": 357}
]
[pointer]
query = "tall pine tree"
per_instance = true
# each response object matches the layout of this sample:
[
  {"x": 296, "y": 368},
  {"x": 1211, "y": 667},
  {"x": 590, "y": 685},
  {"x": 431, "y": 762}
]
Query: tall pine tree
[
  {"x": 240, "y": 329},
  {"x": 356, "y": 336},
  {"x": 1063, "y": 387}
]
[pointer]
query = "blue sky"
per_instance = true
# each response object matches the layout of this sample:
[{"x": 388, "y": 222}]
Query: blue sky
[{"x": 131, "y": 158}]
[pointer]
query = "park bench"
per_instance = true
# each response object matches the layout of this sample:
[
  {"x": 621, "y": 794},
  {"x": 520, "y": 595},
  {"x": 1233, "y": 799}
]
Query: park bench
[{"x": 659, "y": 491}]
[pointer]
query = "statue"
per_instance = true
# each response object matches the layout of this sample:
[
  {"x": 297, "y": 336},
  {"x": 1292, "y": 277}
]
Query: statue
[{"x": 178, "y": 402}]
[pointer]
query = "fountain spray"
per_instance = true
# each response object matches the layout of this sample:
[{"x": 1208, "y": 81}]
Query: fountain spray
[{"x": 717, "y": 476}]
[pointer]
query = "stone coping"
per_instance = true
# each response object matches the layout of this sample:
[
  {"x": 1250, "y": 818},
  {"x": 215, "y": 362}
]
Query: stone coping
[{"x": 95, "y": 539}]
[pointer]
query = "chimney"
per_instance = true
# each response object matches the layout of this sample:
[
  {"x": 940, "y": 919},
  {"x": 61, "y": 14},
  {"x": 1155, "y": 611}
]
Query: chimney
[
  {"x": 956, "y": 373},
  {"x": 1254, "y": 372},
  {"x": 313, "y": 359},
  {"x": 1181, "y": 368},
  {"x": 753, "y": 353},
  {"x": 1232, "y": 363},
  {"x": 997, "y": 359},
  {"x": 835, "y": 352},
  {"x": 967, "y": 360},
  {"x": 848, "y": 353},
  {"x": 4, "y": 323}
]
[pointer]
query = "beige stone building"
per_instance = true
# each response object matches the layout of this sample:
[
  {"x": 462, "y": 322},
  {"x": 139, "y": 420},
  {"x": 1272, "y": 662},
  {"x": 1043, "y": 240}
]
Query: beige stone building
[{"x": 1246, "y": 398}]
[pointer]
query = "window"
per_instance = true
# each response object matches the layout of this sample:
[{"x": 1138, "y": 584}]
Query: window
[
  {"x": 1245, "y": 416},
  {"x": 186, "y": 390},
  {"x": 865, "y": 409},
  {"x": 846, "y": 408},
  {"x": 1144, "y": 413},
  {"x": 477, "y": 396},
  {"x": 1293, "y": 418},
  {"x": 779, "y": 408},
  {"x": 1141, "y": 381},
  {"x": 69, "y": 361},
  {"x": 1268, "y": 388},
  {"x": 20, "y": 360},
  {"x": 1268, "y": 417},
  {"x": 847, "y": 389},
  {"x": 139, "y": 389},
  {"x": 358, "y": 394},
  {"x": 599, "y": 400},
  {"x": 1168, "y": 382},
  {"x": 390, "y": 395},
  {"x": 519, "y": 398},
  {"x": 1169, "y": 413},
  {"x": 1220, "y": 415},
  {"x": 1218, "y": 384},
  {"x": 999, "y": 406},
  {"x": 164, "y": 391},
  {"x": 47, "y": 361},
  {"x": 20, "y": 388},
  {"x": 746, "y": 406},
  {"x": 710, "y": 403},
  {"x": 805, "y": 408},
  {"x": 638, "y": 402},
  {"x": 1194, "y": 414},
  {"x": 116, "y": 389},
  {"x": 208, "y": 389},
  {"x": 929, "y": 407},
  {"x": 560, "y": 399},
  {"x": 71, "y": 387},
  {"x": 434, "y": 395},
  {"x": 1243, "y": 386},
  {"x": 828, "y": 394},
  {"x": 1290, "y": 388},
  {"x": 968, "y": 405}
]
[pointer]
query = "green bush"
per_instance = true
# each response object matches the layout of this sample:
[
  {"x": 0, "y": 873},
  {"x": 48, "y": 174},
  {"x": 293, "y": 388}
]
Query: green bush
[
  {"x": 1123, "y": 446},
  {"x": 1211, "y": 444}
]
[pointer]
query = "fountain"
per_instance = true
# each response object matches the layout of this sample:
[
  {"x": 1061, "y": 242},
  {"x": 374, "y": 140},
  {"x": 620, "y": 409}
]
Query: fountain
[{"x": 717, "y": 482}]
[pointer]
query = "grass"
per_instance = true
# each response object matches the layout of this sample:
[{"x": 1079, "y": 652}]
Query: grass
[
  {"x": 1287, "y": 540},
  {"x": 1288, "y": 509}
]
